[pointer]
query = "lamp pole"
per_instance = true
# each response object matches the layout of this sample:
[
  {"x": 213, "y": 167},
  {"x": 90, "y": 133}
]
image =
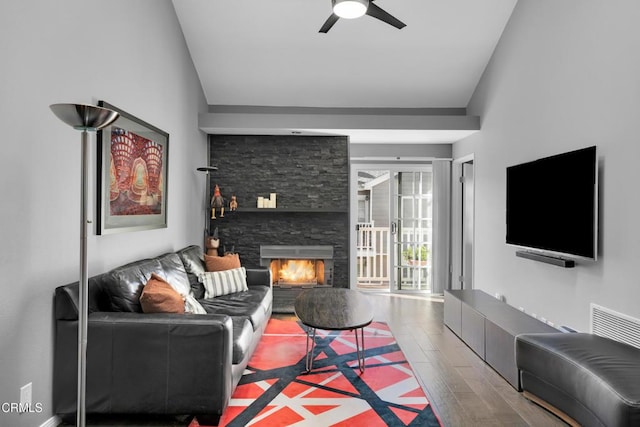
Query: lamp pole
[{"x": 86, "y": 118}]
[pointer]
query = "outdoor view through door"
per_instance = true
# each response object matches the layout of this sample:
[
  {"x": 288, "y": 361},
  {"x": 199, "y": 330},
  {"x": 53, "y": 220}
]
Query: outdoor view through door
[{"x": 394, "y": 237}]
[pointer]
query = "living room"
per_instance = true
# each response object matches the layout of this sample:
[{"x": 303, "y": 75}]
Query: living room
[{"x": 563, "y": 76}]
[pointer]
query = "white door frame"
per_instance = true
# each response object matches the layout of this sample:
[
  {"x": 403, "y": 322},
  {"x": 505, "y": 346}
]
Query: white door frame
[{"x": 456, "y": 220}]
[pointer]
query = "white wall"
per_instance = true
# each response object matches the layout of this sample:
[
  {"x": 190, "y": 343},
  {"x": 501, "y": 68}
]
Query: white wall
[
  {"x": 565, "y": 75},
  {"x": 131, "y": 54}
]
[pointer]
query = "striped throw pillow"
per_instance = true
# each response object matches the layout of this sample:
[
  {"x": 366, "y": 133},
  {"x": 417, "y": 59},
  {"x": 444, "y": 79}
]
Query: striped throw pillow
[
  {"x": 192, "y": 306},
  {"x": 218, "y": 283}
]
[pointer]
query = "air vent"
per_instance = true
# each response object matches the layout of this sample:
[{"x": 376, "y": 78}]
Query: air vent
[{"x": 617, "y": 326}]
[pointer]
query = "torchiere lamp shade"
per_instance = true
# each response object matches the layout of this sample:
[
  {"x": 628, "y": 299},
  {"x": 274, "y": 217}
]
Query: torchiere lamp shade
[{"x": 83, "y": 116}]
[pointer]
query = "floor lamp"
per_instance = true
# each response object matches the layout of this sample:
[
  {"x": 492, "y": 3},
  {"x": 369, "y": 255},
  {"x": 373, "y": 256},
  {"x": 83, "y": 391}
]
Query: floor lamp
[
  {"x": 207, "y": 170},
  {"x": 86, "y": 118}
]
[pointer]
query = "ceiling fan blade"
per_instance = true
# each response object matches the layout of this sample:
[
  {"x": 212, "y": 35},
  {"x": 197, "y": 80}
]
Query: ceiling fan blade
[
  {"x": 329, "y": 23},
  {"x": 380, "y": 14}
]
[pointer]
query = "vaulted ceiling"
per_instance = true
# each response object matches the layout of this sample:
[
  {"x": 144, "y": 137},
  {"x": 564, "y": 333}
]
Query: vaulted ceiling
[{"x": 270, "y": 53}]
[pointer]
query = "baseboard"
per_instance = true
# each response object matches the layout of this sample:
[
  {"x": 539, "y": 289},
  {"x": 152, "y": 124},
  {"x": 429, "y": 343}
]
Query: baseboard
[{"x": 54, "y": 421}]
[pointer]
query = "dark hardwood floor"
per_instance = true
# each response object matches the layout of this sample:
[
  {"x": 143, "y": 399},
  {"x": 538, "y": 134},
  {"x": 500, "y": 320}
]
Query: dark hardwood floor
[{"x": 463, "y": 390}]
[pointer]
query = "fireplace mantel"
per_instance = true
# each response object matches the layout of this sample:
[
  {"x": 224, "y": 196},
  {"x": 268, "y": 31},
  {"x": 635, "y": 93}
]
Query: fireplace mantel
[{"x": 296, "y": 251}]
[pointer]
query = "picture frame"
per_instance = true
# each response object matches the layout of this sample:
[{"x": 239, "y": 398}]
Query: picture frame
[{"x": 132, "y": 172}]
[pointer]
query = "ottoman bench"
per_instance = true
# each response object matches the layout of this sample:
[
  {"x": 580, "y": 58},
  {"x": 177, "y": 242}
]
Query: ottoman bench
[{"x": 583, "y": 378}]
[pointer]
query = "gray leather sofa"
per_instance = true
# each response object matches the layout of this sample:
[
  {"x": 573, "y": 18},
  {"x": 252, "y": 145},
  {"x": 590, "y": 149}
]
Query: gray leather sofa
[
  {"x": 137, "y": 363},
  {"x": 583, "y": 378}
]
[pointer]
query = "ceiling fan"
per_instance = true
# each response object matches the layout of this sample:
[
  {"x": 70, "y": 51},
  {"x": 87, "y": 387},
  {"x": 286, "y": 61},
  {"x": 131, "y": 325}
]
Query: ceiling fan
[{"x": 350, "y": 9}]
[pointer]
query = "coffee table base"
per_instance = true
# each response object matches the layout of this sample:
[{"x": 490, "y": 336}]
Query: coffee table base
[{"x": 360, "y": 349}]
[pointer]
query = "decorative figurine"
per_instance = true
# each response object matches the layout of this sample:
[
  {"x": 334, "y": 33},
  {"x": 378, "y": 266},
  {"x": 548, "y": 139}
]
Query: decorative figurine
[
  {"x": 213, "y": 243},
  {"x": 217, "y": 202},
  {"x": 233, "y": 204}
]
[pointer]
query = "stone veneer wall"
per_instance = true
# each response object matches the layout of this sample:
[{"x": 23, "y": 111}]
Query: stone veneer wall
[{"x": 310, "y": 175}]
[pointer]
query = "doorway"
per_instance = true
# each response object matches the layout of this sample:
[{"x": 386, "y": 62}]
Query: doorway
[
  {"x": 463, "y": 223},
  {"x": 393, "y": 227}
]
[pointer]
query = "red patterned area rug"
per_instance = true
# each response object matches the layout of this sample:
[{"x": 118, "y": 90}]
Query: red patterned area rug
[{"x": 275, "y": 390}]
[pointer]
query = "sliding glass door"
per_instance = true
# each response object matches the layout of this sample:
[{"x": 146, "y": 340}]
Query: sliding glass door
[
  {"x": 412, "y": 230},
  {"x": 394, "y": 228},
  {"x": 373, "y": 229}
]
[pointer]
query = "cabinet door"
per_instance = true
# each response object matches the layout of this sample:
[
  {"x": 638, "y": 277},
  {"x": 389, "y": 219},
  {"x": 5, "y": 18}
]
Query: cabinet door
[
  {"x": 472, "y": 328},
  {"x": 500, "y": 352},
  {"x": 452, "y": 313}
]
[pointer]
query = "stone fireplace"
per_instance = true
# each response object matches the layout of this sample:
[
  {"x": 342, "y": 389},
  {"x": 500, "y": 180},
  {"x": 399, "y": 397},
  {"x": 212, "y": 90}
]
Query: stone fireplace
[
  {"x": 298, "y": 266},
  {"x": 310, "y": 174}
]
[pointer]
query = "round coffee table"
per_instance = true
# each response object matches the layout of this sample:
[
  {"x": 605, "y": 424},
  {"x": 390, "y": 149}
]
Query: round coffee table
[{"x": 334, "y": 309}]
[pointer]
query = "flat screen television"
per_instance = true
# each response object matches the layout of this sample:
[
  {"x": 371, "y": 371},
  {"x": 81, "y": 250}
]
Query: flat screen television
[{"x": 552, "y": 204}]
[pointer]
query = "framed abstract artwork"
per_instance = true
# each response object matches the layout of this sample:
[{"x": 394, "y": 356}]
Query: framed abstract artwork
[{"x": 133, "y": 160}]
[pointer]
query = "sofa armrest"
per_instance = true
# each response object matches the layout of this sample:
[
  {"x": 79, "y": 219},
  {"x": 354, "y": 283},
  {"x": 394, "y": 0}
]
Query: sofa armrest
[
  {"x": 258, "y": 277},
  {"x": 66, "y": 302},
  {"x": 153, "y": 363}
]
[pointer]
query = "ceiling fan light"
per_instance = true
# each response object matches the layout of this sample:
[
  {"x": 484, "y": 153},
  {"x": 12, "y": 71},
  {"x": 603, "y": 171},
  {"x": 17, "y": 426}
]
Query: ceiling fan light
[{"x": 350, "y": 9}]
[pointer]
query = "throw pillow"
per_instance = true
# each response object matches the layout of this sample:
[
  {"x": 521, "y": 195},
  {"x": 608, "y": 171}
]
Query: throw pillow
[
  {"x": 159, "y": 297},
  {"x": 222, "y": 263},
  {"x": 192, "y": 306},
  {"x": 218, "y": 283},
  {"x": 193, "y": 261}
]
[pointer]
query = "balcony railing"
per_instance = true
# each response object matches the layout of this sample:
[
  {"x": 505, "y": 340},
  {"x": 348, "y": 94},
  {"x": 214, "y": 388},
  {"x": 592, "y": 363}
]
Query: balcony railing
[{"x": 372, "y": 254}]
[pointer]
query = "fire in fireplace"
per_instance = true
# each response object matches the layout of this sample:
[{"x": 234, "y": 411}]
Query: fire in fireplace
[
  {"x": 297, "y": 271},
  {"x": 298, "y": 265}
]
